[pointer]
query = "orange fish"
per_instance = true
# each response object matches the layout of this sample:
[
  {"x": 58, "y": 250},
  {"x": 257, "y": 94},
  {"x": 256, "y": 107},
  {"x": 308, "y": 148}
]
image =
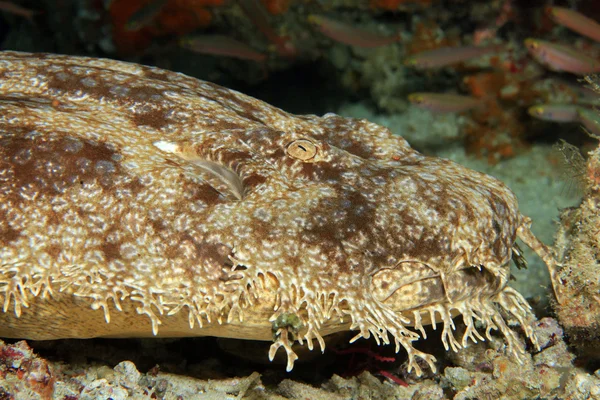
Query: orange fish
[
  {"x": 349, "y": 34},
  {"x": 575, "y": 21},
  {"x": 445, "y": 56},
  {"x": 558, "y": 57},
  {"x": 555, "y": 112},
  {"x": 443, "y": 102},
  {"x": 220, "y": 45}
]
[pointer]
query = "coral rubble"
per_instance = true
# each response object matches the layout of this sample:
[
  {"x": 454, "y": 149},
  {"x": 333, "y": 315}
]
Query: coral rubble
[{"x": 483, "y": 372}]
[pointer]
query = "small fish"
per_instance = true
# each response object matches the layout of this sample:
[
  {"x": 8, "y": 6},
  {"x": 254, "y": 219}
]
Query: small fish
[
  {"x": 349, "y": 34},
  {"x": 220, "y": 45},
  {"x": 145, "y": 15},
  {"x": 443, "y": 102},
  {"x": 16, "y": 9},
  {"x": 575, "y": 21},
  {"x": 555, "y": 112},
  {"x": 581, "y": 94},
  {"x": 558, "y": 57},
  {"x": 445, "y": 56},
  {"x": 590, "y": 119}
]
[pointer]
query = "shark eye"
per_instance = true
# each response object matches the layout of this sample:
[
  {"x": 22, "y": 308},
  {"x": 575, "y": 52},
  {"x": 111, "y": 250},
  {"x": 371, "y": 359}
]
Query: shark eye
[{"x": 302, "y": 149}]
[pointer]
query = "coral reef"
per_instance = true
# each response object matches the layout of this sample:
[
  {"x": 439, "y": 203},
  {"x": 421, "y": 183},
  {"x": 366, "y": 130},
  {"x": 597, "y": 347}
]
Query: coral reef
[
  {"x": 577, "y": 284},
  {"x": 509, "y": 140}
]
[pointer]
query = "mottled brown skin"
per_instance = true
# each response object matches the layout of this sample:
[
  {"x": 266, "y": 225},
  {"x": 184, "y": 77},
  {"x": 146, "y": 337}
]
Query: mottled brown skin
[{"x": 137, "y": 202}]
